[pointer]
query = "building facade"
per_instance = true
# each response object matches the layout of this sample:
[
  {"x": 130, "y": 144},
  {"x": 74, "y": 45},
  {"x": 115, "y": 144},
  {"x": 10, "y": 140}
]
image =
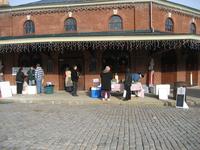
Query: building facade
[{"x": 93, "y": 34}]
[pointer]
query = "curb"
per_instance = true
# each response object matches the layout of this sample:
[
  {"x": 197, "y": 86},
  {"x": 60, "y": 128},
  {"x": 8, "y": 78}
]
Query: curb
[{"x": 191, "y": 103}]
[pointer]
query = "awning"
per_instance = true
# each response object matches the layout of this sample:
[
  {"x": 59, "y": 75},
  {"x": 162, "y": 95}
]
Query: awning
[
  {"x": 91, "y": 37},
  {"x": 150, "y": 41}
]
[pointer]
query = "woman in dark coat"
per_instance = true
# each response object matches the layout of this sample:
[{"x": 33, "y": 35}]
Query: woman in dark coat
[
  {"x": 20, "y": 81},
  {"x": 74, "y": 77},
  {"x": 106, "y": 77},
  {"x": 127, "y": 84}
]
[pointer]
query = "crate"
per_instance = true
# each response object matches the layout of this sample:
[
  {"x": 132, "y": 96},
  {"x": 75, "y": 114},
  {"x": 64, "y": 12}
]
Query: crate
[
  {"x": 49, "y": 89},
  {"x": 95, "y": 92}
]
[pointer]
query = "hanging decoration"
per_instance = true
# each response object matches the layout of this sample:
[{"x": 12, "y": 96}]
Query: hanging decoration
[{"x": 150, "y": 46}]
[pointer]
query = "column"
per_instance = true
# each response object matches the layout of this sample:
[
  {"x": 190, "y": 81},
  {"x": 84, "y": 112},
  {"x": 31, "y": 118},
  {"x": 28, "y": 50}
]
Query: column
[
  {"x": 181, "y": 67},
  {"x": 198, "y": 69},
  {"x": 157, "y": 70}
]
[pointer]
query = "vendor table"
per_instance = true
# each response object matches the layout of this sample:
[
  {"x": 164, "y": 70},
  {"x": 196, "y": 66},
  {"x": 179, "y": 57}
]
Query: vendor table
[{"x": 136, "y": 87}]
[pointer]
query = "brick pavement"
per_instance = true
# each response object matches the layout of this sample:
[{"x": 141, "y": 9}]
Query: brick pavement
[{"x": 105, "y": 126}]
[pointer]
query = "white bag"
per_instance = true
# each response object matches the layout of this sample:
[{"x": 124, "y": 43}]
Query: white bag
[
  {"x": 124, "y": 93},
  {"x": 106, "y": 95}
]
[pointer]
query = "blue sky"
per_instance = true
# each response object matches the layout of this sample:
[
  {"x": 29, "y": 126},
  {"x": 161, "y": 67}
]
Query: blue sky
[{"x": 191, "y": 3}]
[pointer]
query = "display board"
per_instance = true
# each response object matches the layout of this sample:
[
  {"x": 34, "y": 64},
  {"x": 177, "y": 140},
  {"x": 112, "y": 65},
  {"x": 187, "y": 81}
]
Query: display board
[
  {"x": 5, "y": 89},
  {"x": 181, "y": 98},
  {"x": 15, "y": 70}
]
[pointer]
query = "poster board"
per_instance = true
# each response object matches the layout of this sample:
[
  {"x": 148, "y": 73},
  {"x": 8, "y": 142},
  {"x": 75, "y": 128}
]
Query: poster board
[
  {"x": 164, "y": 87},
  {"x": 181, "y": 98},
  {"x": 24, "y": 70},
  {"x": 5, "y": 89}
]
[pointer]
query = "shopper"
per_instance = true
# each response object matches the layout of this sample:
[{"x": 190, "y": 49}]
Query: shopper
[
  {"x": 31, "y": 76},
  {"x": 127, "y": 84},
  {"x": 106, "y": 77},
  {"x": 39, "y": 77},
  {"x": 74, "y": 77},
  {"x": 20, "y": 80}
]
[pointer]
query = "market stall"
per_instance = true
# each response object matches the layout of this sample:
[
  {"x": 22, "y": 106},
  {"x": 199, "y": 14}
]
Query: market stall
[{"x": 135, "y": 87}]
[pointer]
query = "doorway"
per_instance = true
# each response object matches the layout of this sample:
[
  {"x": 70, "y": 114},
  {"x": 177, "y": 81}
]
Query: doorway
[
  {"x": 169, "y": 68},
  {"x": 192, "y": 69},
  {"x": 66, "y": 61}
]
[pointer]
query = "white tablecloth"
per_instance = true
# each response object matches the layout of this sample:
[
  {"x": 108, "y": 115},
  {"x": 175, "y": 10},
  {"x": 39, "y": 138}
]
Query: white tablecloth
[{"x": 136, "y": 87}]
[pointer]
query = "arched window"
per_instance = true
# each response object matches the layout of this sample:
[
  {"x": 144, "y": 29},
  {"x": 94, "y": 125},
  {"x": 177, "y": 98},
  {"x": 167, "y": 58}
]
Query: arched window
[
  {"x": 115, "y": 23},
  {"x": 169, "y": 25},
  {"x": 29, "y": 27},
  {"x": 70, "y": 24},
  {"x": 192, "y": 28}
]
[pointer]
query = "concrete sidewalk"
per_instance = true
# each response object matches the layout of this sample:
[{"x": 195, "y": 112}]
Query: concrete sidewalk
[{"x": 62, "y": 97}]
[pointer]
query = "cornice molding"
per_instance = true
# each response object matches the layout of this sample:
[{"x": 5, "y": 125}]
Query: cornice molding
[
  {"x": 73, "y": 9},
  {"x": 172, "y": 5}
]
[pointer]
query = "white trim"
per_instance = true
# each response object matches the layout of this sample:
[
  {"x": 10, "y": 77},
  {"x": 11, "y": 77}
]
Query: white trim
[
  {"x": 162, "y": 2},
  {"x": 100, "y": 38}
]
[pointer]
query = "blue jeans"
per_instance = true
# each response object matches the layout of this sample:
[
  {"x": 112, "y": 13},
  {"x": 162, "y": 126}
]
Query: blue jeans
[{"x": 39, "y": 86}]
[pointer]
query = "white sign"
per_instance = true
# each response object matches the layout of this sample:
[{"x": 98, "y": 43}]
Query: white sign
[
  {"x": 5, "y": 89},
  {"x": 15, "y": 70},
  {"x": 180, "y": 98},
  {"x": 96, "y": 80},
  {"x": 181, "y": 91}
]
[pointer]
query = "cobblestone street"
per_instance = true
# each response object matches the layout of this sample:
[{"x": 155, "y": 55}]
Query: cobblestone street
[{"x": 104, "y": 126}]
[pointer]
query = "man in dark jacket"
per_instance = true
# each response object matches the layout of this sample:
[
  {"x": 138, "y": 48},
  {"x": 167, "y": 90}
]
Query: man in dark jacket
[
  {"x": 31, "y": 76},
  {"x": 106, "y": 77},
  {"x": 127, "y": 84},
  {"x": 19, "y": 81},
  {"x": 74, "y": 77}
]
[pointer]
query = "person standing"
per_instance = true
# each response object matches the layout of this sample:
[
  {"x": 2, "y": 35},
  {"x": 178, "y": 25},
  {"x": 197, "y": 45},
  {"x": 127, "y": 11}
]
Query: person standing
[
  {"x": 31, "y": 76},
  {"x": 68, "y": 81},
  {"x": 137, "y": 76},
  {"x": 127, "y": 84},
  {"x": 20, "y": 80},
  {"x": 106, "y": 77},
  {"x": 39, "y": 76},
  {"x": 74, "y": 77}
]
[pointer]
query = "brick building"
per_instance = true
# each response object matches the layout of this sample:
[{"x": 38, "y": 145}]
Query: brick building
[{"x": 95, "y": 33}]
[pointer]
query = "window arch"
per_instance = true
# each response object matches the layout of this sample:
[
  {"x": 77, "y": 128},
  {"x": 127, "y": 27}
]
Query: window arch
[
  {"x": 169, "y": 25},
  {"x": 70, "y": 24},
  {"x": 192, "y": 28},
  {"x": 115, "y": 23},
  {"x": 29, "y": 27}
]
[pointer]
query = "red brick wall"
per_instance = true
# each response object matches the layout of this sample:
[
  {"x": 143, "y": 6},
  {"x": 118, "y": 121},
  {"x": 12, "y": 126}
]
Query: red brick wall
[
  {"x": 97, "y": 20},
  {"x": 197, "y": 22},
  {"x": 87, "y": 21},
  {"x": 5, "y": 24},
  {"x": 142, "y": 17},
  {"x": 134, "y": 18},
  {"x": 181, "y": 21}
]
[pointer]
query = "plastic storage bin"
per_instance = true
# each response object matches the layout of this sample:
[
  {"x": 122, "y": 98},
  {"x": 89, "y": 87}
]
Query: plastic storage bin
[
  {"x": 49, "y": 89},
  {"x": 95, "y": 92}
]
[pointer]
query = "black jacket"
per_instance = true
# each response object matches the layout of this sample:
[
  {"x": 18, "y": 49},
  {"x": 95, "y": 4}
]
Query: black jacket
[
  {"x": 128, "y": 79},
  {"x": 74, "y": 75},
  {"x": 106, "y": 81},
  {"x": 20, "y": 76}
]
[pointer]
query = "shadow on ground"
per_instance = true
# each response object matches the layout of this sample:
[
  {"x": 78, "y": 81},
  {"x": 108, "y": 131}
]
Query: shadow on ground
[
  {"x": 4, "y": 102},
  {"x": 193, "y": 93}
]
